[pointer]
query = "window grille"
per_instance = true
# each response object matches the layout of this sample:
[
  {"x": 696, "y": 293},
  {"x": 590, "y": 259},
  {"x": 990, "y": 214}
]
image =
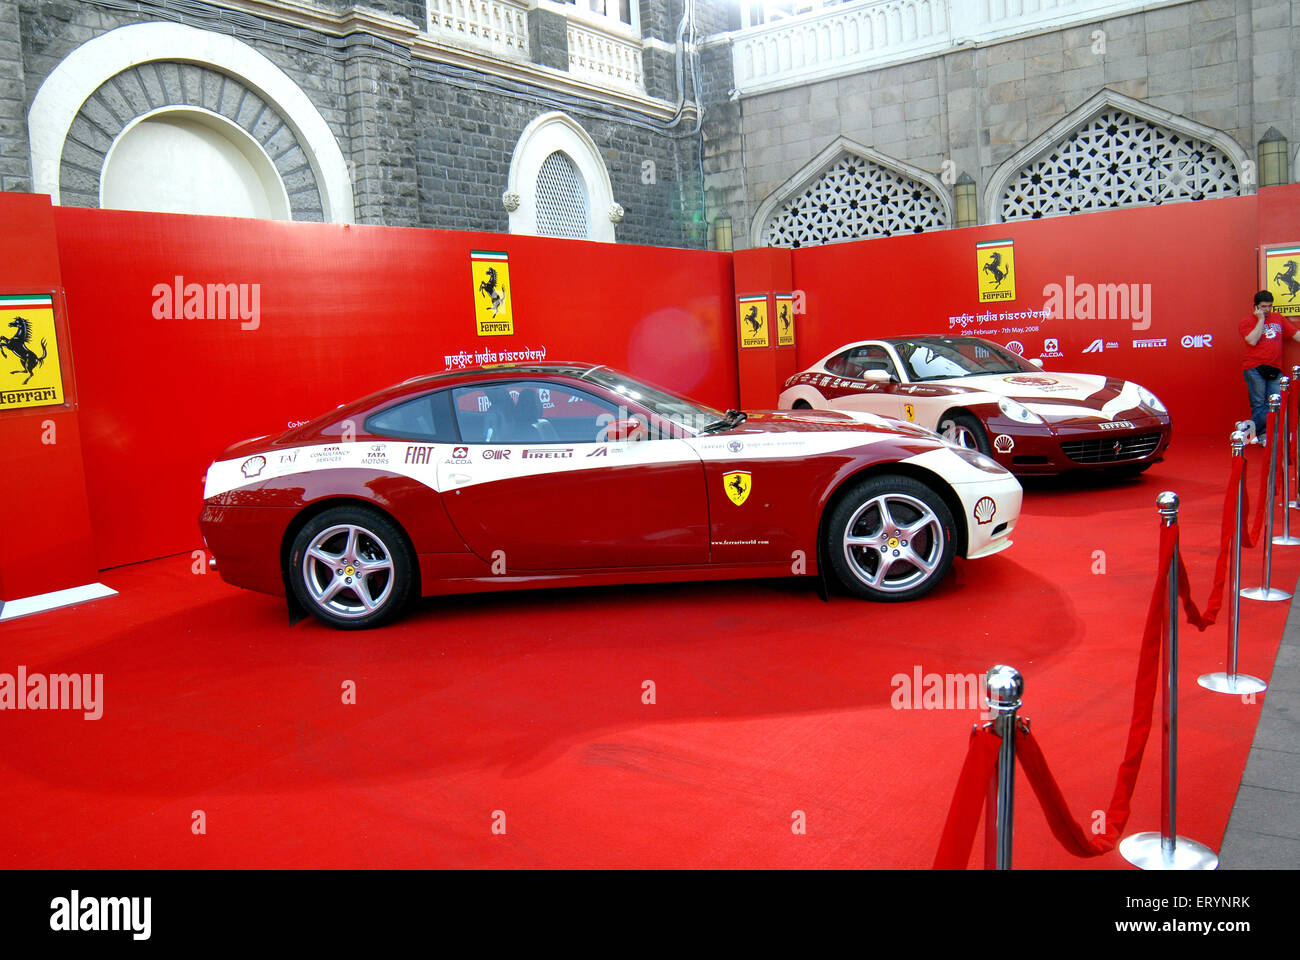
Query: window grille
[
  {"x": 1119, "y": 160},
  {"x": 855, "y": 199},
  {"x": 561, "y": 199}
]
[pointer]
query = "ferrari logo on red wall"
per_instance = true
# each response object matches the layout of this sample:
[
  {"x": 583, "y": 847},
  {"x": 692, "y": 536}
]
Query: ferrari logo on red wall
[
  {"x": 492, "y": 300},
  {"x": 784, "y": 320},
  {"x": 753, "y": 320},
  {"x": 30, "y": 375}
]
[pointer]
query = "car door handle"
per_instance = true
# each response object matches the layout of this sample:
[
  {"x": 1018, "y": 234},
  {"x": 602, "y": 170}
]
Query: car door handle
[{"x": 459, "y": 477}]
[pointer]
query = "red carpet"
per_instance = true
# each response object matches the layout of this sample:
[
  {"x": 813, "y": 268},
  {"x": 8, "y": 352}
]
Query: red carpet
[{"x": 768, "y": 701}]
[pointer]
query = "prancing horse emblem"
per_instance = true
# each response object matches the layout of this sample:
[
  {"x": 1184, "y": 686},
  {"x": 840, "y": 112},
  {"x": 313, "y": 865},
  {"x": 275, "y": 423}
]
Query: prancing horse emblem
[
  {"x": 489, "y": 287},
  {"x": 17, "y": 344},
  {"x": 738, "y": 484}
]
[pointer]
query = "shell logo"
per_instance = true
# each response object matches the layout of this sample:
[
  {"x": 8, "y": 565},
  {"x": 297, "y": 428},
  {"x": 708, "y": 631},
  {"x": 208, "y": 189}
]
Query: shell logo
[
  {"x": 252, "y": 466},
  {"x": 985, "y": 510},
  {"x": 1003, "y": 443}
]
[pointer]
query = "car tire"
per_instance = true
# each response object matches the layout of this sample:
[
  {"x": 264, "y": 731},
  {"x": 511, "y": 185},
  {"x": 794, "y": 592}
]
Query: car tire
[
  {"x": 801, "y": 405},
  {"x": 352, "y": 567},
  {"x": 965, "y": 431},
  {"x": 890, "y": 538}
]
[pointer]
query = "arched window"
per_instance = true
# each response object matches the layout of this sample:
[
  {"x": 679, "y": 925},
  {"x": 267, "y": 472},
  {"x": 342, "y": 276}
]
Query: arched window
[
  {"x": 851, "y": 192},
  {"x": 202, "y": 97},
  {"x": 558, "y": 185},
  {"x": 180, "y": 160},
  {"x": 1115, "y": 151},
  {"x": 561, "y": 198}
]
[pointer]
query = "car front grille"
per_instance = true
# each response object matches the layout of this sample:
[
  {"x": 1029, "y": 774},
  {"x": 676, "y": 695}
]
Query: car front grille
[{"x": 1111, "y": 449}]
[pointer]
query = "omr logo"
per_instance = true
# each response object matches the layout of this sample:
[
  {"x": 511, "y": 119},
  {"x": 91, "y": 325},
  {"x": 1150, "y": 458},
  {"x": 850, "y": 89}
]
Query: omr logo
[{"x": 496, "y": 454}]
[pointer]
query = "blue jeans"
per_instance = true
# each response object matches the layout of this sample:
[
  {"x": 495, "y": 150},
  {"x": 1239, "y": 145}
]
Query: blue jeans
[{"x": 1259, "y": 388}]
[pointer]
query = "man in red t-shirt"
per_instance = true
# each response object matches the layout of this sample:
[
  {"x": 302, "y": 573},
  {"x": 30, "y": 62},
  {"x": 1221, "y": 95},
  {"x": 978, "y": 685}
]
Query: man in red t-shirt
[{"x": 1263, "y": 331}]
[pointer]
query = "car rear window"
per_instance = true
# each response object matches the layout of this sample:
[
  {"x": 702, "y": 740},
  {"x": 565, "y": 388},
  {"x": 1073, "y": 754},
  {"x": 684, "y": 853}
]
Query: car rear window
[{"x": 427, "y": 417}]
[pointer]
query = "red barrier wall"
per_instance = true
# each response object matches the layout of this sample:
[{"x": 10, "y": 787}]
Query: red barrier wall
[
  {"x": 45, "y": 534},
  {"x": 1199, "y": 259},
  {"x": 343, "y": 311}
]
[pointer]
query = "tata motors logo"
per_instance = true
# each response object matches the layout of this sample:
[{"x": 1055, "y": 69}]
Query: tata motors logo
[{"x": 1195, "y": 341}]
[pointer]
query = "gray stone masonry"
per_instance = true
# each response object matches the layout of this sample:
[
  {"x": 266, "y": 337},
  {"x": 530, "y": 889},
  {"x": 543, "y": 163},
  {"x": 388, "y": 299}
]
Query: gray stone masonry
[
  {"x": 1229, "y": 65},
  {"x": 15, "y": 172},
  {"x": 427, "y": 144}
]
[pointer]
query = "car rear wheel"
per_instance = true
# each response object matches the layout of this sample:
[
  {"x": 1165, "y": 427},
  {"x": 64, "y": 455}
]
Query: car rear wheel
[
  {"x": 801, "y": 405},
  {"x": 351, "y": 567},
  {"x": 890, "y": 538},
  {"x": 965, "y": 431}
]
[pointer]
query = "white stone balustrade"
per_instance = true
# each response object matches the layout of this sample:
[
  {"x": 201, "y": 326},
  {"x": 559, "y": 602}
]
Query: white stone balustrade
[
  {"x": 498, "y": 26},
  {"x": 874, "y": 33},
  {"x": 604, "y": 58}
]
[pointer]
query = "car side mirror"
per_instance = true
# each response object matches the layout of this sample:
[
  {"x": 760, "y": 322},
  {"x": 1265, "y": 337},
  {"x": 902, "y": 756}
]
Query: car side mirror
[
  {"x": 629, "y": 429},
  {"x": 1038, "y": 362},
  {"x": 877, "y": 376}
]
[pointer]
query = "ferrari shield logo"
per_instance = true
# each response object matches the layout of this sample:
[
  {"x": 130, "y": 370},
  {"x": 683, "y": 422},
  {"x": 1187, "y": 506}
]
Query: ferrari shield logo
[
  {"x": 753, "y": 320},
  {"x": 1282, "y": 280},
  {"x": 492, "y": 310},
  {"x": 785, "y": 320},
  {"x": 910, "y": 411},
  {"x": 30, "y": 375},
  {"x": 995, "y": 263},
  {"x": 738, "y": 485}
]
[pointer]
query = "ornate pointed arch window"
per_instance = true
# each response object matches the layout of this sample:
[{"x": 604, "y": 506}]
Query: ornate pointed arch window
[
  {"x": 1116, "y": 152},
  {"x": 850, "y": 192}
]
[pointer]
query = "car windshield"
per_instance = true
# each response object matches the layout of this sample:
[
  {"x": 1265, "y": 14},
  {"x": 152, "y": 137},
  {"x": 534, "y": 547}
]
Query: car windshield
[
  {"x": 690, "y": 416},
  {"x": 938, "y": 358}
]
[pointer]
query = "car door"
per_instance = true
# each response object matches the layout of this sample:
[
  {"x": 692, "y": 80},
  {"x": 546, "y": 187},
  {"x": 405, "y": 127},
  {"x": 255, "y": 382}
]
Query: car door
[
  {"x": 854, "y": 392},
  {"x": 537, "y": 483}
]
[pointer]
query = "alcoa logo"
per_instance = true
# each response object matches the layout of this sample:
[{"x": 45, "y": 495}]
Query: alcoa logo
[
  {"x": 985, "y": 509},
  {"x": 1198, "y": 340}
]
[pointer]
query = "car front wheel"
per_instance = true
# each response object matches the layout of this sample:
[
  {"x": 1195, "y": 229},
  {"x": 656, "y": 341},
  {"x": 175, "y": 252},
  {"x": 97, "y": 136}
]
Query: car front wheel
[
  {"x": 965, "y": 431},
  {"x": 351, "y": 567},
  {"x": 890, "y": 538}
]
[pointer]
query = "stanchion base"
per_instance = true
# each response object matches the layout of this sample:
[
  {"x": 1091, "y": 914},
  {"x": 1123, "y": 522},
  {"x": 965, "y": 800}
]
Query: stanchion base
[
  {"x": 1234, "y": 683},
  {"x": 1285, "y": 541},
  {"x": 1146, "y": 851},
  {"x": 1265, "y": 593},
  {"x": 1293, "y": 504}
]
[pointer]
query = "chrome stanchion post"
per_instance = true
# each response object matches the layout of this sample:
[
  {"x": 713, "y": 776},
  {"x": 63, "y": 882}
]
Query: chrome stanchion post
[
  {"x": 1295, "y": 448},
  {"x": 1166, "y": 850},
  {"x": 1267, "y": 591},
  {"x": 1286, "y": 540},
  {"x": 1003, "y": 687},
  {"x": 1231, "y": 681}
]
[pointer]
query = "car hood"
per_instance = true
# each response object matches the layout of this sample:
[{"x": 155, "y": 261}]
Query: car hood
[{"x": 1056, "y": 396}]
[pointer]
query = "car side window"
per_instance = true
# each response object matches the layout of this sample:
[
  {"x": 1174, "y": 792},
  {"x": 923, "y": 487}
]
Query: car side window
[
  {"x": 854, "y": 363},
  {"x": 521, "y": 411},
  {"x": 426, "y": 418}
]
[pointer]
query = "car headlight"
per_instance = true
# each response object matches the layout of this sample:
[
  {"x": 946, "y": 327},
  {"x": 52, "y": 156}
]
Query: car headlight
[
  {"x": 1018, "y": 411},
  {"x": 978, "y": 460},
  {"x": 1150, "y": 400}
]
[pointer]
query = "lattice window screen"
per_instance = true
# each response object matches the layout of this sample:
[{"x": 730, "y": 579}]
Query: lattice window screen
[
  {"x": 854, "y": 199},
  {"x": 561, "y": 199},
  {"x": 1119, "y": 160}
]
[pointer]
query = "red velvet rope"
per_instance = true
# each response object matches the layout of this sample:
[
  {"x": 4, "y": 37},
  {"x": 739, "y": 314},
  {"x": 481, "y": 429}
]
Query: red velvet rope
[
  {"x": 968, "y": 800},
  {"x": 963, "y": 814},
  {"x": 1257, "y": 524},
  {"x": 1227, "y": 524}
]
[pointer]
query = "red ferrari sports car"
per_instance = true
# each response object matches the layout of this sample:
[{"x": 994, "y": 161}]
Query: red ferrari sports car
[
  {"x": 982, "y": 396},
  {"x": 525, "y": 475}
]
